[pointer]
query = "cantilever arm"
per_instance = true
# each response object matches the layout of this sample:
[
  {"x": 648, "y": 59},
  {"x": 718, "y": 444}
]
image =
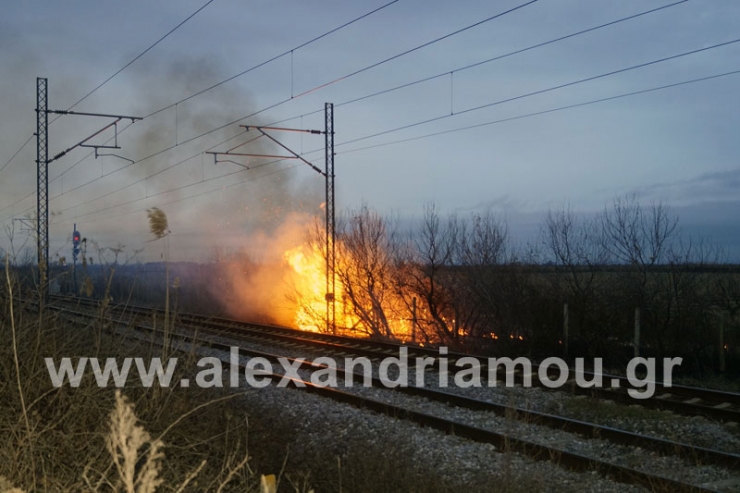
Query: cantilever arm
[{"x": 296, "y": 156}]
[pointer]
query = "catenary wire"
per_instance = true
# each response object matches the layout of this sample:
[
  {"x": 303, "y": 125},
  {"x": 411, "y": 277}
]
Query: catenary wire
[
  {"x": 244, "y": 72},
  {"x": 182, "y": 187},
  {"x": 365, "y": 97},
  {"x": 528, "y": 115},
  {"x": 276, "y": 57},
  {"x": 505, "y": 100},
  {"x": 142, "y": 53},
  {"x": 544, "y": 112},
  {"x": 587, "y": 79},
  {"x": 561, "y": 38},
  {"x": 16, "y": 153},
  {"x": 542, "y": 91},
  {"x": 279, "y": 103},
  {"x": 114, "y": 75},
  {"x": 416, "y": 48},
  {"x": 488, "y": 60}
]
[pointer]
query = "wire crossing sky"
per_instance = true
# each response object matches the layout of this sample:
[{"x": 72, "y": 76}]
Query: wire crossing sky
[{"x": 515, "y": 107}]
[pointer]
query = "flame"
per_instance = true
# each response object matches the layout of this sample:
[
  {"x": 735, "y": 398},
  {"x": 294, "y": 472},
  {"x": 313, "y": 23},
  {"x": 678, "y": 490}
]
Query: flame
[
  {"x": 309, "y": 282},
  {"x": 280, "y": 277},
  {"x": 308, "y": 279}
]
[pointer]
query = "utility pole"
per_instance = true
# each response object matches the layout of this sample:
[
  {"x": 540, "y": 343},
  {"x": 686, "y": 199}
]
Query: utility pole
[
  {"x": 331, "y": 235},
  {"x": 327, "y": 173},
  {"x": 42, "y": 184},
  {"x": 42, "y": 171}
]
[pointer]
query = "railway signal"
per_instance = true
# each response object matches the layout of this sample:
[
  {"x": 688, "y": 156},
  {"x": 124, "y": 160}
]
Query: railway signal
[
  {"x": 75, "y": 244},
  {"x": 76, "y": 240}
]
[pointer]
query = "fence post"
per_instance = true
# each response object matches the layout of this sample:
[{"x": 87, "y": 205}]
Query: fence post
[
  {"x": 413, "y": 319},
  {"x": 565, "y": 329},
  {"x": 722, "y": 344},
  {"x": 637, "y": 332}
]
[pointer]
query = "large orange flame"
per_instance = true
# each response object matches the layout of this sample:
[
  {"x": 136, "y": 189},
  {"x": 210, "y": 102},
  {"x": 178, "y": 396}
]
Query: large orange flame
[
  {"x": 308, "y": 279},
  {"x": 285, "y": 283}
]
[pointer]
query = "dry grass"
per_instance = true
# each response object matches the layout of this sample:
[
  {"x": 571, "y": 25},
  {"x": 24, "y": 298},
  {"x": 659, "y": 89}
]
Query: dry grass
[
  {"x": 144, "y": 440},
  {"x": 157, "y": 222},
  {"x": 128, "y": 443},
  {"x": 90, "y": 438}
]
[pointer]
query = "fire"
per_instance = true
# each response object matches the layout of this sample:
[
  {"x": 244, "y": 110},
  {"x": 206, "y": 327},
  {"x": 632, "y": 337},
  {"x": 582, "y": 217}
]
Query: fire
[
  {"x": 281, "y": 278},
  {"x": 308, "y": 279},
  {"x": 307, "y": 282}
]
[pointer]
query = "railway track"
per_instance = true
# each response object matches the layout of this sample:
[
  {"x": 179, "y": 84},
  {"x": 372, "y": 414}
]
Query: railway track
[
  {"x": 690, "y": 401},
  {"x": 570, "y": 460}
]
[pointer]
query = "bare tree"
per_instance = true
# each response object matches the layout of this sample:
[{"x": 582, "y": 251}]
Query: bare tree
[
  {"x": 366, "y": 270},
  {"x": 424, "y": 265},
  {"x": 639, "y": 239},
  {"x": 577, "y": 247},
  {"x": 637, "y": 236},
  {"x": 482, "y": 248}
]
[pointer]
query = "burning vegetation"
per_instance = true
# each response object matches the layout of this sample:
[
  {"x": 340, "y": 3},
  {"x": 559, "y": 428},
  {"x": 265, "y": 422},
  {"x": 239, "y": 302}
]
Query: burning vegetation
[
  {"x": 389, "y": 285},
  {"x": 460, "y": 282}
]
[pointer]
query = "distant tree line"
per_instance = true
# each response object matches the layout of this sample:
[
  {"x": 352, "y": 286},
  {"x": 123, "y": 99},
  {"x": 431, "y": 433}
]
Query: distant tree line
[{"x": 461, "y": 281}]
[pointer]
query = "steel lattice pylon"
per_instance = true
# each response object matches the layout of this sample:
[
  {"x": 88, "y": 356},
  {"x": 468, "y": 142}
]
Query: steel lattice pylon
[
  {"x": 42, "y": 170},
  {"x": 330, "y": 219},
  {"x": 328, "y": 175},
  {"x": 42, "y": 183}
]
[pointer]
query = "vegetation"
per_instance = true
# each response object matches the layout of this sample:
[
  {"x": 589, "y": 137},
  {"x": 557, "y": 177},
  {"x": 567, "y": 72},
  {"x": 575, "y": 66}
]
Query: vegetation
[
  {"x": 456, "y": 280},
  {"x": 461, "y": 281},
  {"x": 140, "y": 439}
]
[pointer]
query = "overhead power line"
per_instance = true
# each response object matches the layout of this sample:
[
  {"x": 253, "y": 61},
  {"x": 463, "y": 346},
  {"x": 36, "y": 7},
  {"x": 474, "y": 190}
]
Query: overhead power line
[
  {"x": 114, "y": 75},
  {"x": 541, "y": 91},
  {"x": 276, "y": 57},
  {"x": 244, "y": 72},
  {"x": 518, "y": 117},
  {"x": 77, "y": 218},
  {"x": 520, "y": 97},
  {"x": 356, "y": 72},
  {"x": 406, "y": 85},
  {"x": 544, "y": 112},
  {"x": 143, "y": 180},
  {"x": 29, "y": 194},
  {"x": 142, "y": 53},
  {"x": 488, "y": 60},
  {"x": 279, "y": 103},
  {"x": 16, "y": 153},
  {"x": 163, "y": 170},
  {"x": 162, "y": 151},
  {"x": 419, "y": 47},
  {"x": 572, "y": 83},
  {"x": 426, "y": 79}
]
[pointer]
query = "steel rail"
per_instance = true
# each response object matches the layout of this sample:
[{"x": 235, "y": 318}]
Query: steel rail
[
  {"x": 501, "y": 441},
  {"x": 691, "y": 401}
]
